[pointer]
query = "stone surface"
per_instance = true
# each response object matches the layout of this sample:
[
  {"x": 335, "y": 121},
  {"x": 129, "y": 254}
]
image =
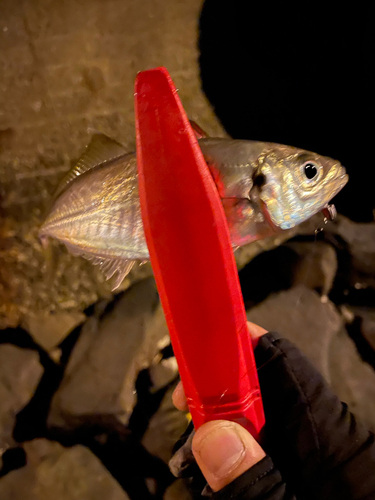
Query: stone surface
[
  {"x": 317, "y": 265},
  {"x": 368, "y": 326},
  {"x": 99, "y": 383},
  {"x": 361, "y": 243},
  {"x": 309, "y": 263},
  {"x": 20, "y": 373},
  {"x": 163, "y": 373},
  {"x": 165, "y": 428},
  {"x": 317, "y": 329},
  {"x": 362, "y": 320},
  {"x": 300, "y": 316},
  {"x": 48, "y": 329},
  {"x": 178, "y": 491},
  {"x": 53, "y": 471},
  {"x": 352, "y": 379},
  {"x": 67, "y": 71},
  {"x": 355, "y": 244},
  {"x": 247, "y": 253}
]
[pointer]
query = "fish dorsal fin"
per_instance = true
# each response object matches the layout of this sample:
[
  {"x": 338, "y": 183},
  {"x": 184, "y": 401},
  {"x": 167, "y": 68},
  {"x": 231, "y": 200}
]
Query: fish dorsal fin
[
  {"x": 101, "y": 150},
  {"x": 108, "y": 265}
]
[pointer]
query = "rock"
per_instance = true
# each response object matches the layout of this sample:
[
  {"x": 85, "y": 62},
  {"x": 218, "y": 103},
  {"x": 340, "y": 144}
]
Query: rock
[
  {"x": 49, "y": 329},
  {"x": 360, "y": 238},
  {"x": 317, "y": 265},
  {"x": 247, "y": 253},
  {"x": 312, "y": 264},
  {"x": 267, "y": 273},
  {"x": 94, "y": 79},
  {"x": 52, "y": 101},
  {"x": 361, "y": 327},
  {"x": 53, "y": 471},
  {"x": 300, "y": 316},
  {"x": 99, "y": 383},
  {"x": 317, "y": 329},
  {"x": 368, "y": 326},
  {"x": 352, "y": 379},
  {"x": 178, "y": 490},
  {"x": 163, "y": 373},
  {"x": 355, "y": 245},
  {"x": 20, "y": 373},
  {"x": 165, "y": 428},
  {"x": 363, "y": 320},
  {"x": 6, "y": 139},
  {"x": 347, "y": 314}
]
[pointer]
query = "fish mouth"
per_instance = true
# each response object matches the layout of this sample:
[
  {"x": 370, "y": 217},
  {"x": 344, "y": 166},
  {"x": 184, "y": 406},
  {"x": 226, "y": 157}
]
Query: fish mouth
[
  {"x": 337, "y": 183},
  {"x": 329, "y": 210}
]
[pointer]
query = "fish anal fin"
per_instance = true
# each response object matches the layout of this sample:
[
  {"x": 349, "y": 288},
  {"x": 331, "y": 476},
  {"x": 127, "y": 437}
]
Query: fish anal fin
[
  {"x": 100, "y": 150},
  {"x": 108, "y": 265},
  {"x": 122, "y": 272}
]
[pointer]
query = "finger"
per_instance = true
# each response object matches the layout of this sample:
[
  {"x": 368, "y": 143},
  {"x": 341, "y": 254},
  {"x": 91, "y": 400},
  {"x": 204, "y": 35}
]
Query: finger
[
  {"x": 223, "y": 451},
  {"x": 256, "y": 332},
  {"x": 179, "y": 398}
]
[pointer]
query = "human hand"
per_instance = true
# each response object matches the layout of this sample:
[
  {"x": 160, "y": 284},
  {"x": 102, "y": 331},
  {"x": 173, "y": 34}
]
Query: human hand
[
  {"x": 223, "y": 450},
  {"x": 317, "y": 445}
]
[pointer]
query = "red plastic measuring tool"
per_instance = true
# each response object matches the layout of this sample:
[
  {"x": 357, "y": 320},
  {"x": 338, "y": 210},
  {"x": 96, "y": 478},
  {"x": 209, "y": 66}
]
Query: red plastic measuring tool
[{"x": 193, "y": 262}]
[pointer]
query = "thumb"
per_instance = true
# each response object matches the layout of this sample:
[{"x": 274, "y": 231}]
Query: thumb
[{"x": 223, "y": 451}]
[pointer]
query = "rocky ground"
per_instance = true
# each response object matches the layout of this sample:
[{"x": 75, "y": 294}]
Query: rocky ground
[
  {"x": 67, "y": 70},
  {"x": 86, "y": 377}
]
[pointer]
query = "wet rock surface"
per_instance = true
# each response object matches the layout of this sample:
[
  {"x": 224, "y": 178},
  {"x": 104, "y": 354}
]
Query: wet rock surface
[
  {"x": 53, "y": 471},
  {"x": 20, "y": 373}
]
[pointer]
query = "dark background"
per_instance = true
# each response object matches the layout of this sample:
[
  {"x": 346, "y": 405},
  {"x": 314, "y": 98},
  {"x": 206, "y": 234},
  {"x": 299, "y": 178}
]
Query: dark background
[{"x": 297, "y": 76}]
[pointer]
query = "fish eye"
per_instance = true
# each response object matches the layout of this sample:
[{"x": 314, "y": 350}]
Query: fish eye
[
  {"x": 310, "y": 170},
  {"x": 259, "y": 180}
]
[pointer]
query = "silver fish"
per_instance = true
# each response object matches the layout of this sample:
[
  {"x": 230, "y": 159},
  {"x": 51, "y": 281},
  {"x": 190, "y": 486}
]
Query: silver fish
[{"x": 264, "y": 187}]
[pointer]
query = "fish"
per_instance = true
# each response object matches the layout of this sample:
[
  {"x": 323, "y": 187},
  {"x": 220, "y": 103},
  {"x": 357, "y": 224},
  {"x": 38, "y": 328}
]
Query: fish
[{"x": 265, "y": 188}]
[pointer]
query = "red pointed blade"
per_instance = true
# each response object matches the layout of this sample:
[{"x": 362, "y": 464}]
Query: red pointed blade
[{"x": 192, "y": 259}]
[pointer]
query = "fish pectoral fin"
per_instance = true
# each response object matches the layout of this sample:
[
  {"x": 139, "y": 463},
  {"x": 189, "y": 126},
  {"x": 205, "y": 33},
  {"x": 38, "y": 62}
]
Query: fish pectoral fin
[
  {"x": 198, "y": 131},
  {"x": 101, "y": 150}
]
